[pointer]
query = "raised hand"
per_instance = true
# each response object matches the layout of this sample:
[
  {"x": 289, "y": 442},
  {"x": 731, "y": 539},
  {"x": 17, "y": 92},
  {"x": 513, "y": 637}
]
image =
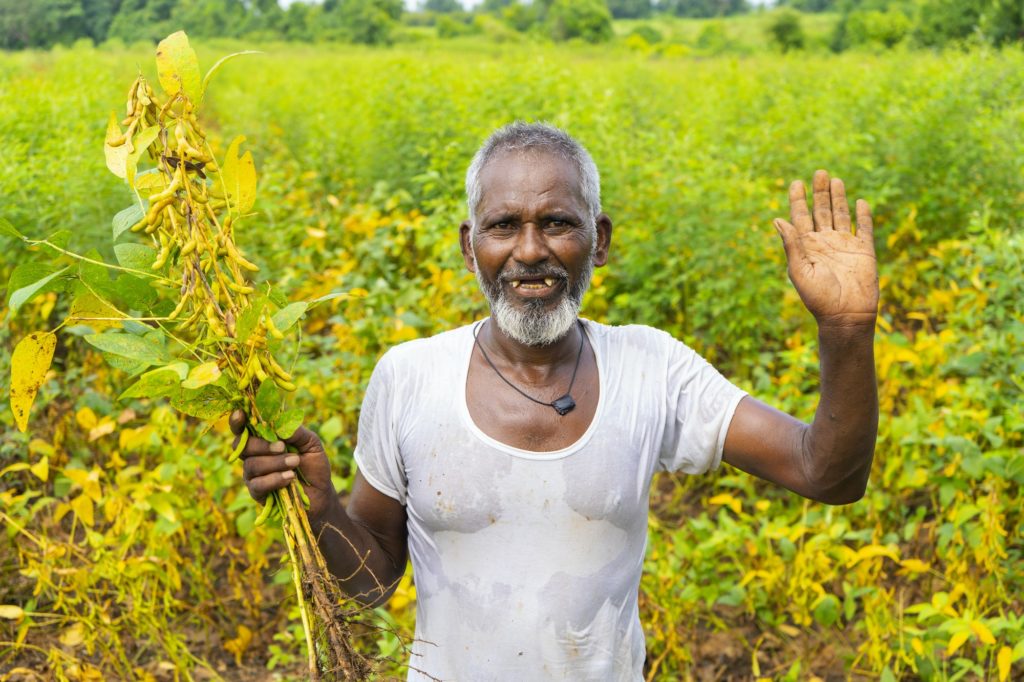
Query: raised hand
[
  {"x": 832, "y": 267},
  {"x": 269, "y": 466}
]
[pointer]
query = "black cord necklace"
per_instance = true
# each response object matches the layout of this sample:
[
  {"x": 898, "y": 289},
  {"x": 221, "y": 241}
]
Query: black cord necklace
[{"x": 563, "y": 405}]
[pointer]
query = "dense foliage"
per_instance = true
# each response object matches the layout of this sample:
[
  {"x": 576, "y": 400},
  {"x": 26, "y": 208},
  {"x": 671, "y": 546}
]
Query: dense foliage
[
  {"x": 863, "y": 24},
  {"x": 128, "y": 545}
]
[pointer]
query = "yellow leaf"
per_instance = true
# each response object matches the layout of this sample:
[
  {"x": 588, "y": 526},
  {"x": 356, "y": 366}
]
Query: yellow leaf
[
  {"x": 88, "y": 480},
  {"x": 957, "y": 641},
  {"x": 239, "y": 177},
  {"x": 103, "y": 428},
  {"x": 41, "y": 469},
  {"x": 201, "y": 375},
  {"x": 239, "y": 644},
  {"x": 150, "y": 183},
  {"x": 86, "y": 418},
  {"x": 911, "y": 566},
  {"x": 918, "y": 646},
  {"x": 982, "y": 631},
  {"x": 12, "y": 612},
  {"x": 73, "y": 635},
  {"x": 117, "y": 157},
  {"x": 177, "y": 66},
  {"x": 1003, "y": 660},
  {"x": 29, "y": 365},
  {"x": 89, "y": 310},
  {"x": 83, "y": 509},
  {"x": 727, "y": 500},
  {"x": 873, "y": 551}
]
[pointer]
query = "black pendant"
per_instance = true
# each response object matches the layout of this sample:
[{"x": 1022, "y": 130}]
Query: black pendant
[{"x": 564, "y": 405}]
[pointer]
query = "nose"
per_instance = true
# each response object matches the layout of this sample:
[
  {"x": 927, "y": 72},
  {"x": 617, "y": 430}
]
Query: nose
[{"x": 531, "y": 246}]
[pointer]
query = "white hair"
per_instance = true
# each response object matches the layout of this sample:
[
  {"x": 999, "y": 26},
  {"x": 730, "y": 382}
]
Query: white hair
[{"x": 522, "y": 137}]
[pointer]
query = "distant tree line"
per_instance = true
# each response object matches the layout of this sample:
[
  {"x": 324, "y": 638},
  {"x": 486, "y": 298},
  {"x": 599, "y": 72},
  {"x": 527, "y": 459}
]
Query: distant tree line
[
  {"x": 885, "y": 23},
  {"x": 920, "y": 23},
  {"x": 43, "y": 23}
]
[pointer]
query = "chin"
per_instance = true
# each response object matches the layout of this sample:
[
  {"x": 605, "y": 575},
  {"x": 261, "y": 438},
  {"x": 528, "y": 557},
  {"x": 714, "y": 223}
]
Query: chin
[{"x": 535, "y": 325}]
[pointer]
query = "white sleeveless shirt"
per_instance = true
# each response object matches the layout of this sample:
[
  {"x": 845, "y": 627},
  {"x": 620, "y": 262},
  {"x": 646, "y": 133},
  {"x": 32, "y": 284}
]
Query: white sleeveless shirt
[{"x": 527, "y": 564}]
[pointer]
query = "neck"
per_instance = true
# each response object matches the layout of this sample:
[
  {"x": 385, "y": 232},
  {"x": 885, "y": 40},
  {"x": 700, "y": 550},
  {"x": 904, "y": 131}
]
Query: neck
[{"x": 518, "y": 355}]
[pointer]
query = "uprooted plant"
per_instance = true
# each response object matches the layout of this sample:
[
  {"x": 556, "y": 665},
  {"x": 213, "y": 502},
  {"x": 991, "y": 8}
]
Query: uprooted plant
[{"x": 183, "y": 316}]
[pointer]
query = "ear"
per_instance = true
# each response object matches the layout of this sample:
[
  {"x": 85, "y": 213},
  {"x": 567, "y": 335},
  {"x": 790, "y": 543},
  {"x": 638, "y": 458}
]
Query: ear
[
  {"x": 466, "y": 244},
  {"x": 604, "y": 240}
]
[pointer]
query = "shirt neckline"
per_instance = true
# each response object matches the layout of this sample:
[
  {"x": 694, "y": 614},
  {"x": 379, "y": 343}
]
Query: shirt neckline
[{"x": 466, "y": 358}]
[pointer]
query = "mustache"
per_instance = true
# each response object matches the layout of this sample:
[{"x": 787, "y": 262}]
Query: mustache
[{"x": 519, "y": 272}]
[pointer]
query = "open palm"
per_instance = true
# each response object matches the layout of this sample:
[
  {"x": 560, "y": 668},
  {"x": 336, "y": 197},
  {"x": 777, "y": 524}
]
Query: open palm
[{"x": 832, "y": 267}]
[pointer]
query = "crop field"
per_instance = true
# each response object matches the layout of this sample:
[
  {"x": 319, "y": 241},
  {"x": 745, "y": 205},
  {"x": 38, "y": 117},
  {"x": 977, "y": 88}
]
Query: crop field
[{"x": 129, "y": 548}]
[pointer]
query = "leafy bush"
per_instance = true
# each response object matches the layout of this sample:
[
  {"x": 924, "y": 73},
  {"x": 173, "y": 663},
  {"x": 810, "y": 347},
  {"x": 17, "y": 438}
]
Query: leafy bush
[
  {"x": 588, "y": 20},
  {"x": 785, "y": 31}
]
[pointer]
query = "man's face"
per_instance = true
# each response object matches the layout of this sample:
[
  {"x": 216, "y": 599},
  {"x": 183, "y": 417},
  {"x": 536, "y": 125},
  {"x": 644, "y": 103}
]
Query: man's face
[{"x": 534, "y": 246}]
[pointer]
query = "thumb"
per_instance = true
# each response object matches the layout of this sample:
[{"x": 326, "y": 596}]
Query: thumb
[{"x": 788, "y": 233}]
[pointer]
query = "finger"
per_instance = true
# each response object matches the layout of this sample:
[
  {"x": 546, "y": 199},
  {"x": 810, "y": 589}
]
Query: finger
[
  {"x": 822, "y": 202},
  {"x": 790, "y": 238},
  {"x": 237, "y": 422},
  {"x": 865, "y": 226},
  {"x": 798, "y": 213},
  {"x": 256, "y": 467},
  {"x": 262, "y": 486},
  {"x": 257, "y": 447},
  {"x": 840, "y": 207},
  {"x": 304, "y": 440}
]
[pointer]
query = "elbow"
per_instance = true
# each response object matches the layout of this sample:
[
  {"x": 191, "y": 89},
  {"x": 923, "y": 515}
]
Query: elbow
[{"x": 843, "y": 488}]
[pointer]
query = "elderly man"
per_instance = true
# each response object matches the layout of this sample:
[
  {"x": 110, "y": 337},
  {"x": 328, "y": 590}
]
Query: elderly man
[{"x": 512, "y": 458}]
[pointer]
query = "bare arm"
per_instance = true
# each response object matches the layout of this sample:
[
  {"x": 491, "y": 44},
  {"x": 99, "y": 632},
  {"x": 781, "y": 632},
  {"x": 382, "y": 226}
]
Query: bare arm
[
  {"x": 364, "y": 545},
  {"x": 835, "y": 273}
]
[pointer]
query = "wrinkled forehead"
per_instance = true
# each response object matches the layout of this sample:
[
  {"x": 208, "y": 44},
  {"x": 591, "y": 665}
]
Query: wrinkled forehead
[{"x": 530, "y": 173}]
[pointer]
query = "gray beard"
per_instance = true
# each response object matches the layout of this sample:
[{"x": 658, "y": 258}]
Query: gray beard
[{"x": 532, "y": 324}]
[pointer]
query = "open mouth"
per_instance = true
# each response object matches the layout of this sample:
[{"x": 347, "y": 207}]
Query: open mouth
[{"x": 536, "y": 284}]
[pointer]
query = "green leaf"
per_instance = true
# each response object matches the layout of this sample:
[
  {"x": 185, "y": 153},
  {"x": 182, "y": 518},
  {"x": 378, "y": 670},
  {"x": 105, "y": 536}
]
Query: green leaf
[
  {"x": 163, "y": 504},
  {"x": 8, "y": 229},
  {"x": 207, "y": 403},
  {"x": 157, "y": 382},
  {"x": 265, "y": 432},
  {"x": 268, "y": 401},
  {"x": 289, "y": 315},
  {"x": 140, "y": 143},
  {"x": 249, "y": 318},
  {"x": 177, "y": 66},
  {"x": 826, "y": 611},
  {"x": 29, "y": 364},
  {"x": 21, "y": 296},
  {"x": 126, "y": 365},
  {"x": 220, "y": 63},
  {"x": 134, "y": 256},
  {"x": 129, "y": 346},
  {"x": 288, "y": 423},
  {"x": 31, "y": 272},
  {"x": 134, "y": 292},
  {"x": 124, "y": 219}
]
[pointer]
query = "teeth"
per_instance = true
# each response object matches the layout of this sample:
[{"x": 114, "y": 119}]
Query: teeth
[
  {"x": 549, "y": 281},
  {"x": 515, "y": 284}
]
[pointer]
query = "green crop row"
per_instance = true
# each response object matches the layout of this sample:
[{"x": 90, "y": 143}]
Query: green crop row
[{"x": 361, "y": 156}]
